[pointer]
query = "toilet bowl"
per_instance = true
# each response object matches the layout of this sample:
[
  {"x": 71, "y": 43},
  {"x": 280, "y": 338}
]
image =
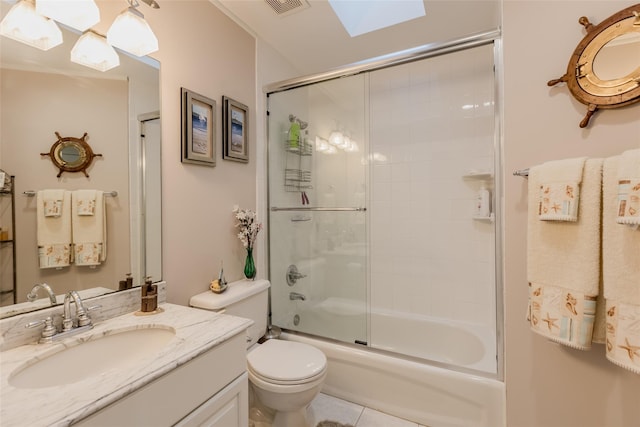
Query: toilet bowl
[{"x": 284, "y": 376}]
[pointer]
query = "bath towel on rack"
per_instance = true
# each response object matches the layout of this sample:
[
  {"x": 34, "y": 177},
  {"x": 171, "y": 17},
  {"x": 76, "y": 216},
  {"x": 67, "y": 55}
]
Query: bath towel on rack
[
  {"x": 621, "y": 276},
  {"x": 53, "y": 231},
  {"x": 89, "y": 231},
  {"x": 560, "y": 189},
  {"x": 563, "y": 264},
  {"x": 629, "y": 188}
]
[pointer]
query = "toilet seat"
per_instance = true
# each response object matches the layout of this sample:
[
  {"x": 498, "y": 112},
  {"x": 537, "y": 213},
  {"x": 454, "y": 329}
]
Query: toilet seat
[{"x": 286, "y": 362}]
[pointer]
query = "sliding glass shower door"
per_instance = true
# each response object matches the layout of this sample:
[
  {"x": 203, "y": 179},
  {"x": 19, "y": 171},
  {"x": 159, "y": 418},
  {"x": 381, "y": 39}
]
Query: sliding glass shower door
[{"x": 317, "y": 205}]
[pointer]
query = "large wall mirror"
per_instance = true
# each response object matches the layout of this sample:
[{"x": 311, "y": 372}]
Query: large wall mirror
[{"x": 43, "y": 92}]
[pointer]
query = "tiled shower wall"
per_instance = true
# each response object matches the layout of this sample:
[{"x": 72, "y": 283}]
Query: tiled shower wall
[{"x": 431, "y": 123}]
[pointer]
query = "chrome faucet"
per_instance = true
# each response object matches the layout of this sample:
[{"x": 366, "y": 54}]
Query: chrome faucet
[
  {"x": 296, "y": 296},
  {"x": 83, "y": 322},
  {"x": 33, "y": 293},
  {"x": 81, "y": 313}
]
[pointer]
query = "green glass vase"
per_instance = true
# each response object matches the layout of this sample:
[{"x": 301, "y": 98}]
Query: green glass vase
[{"x": 249, "y": 265}]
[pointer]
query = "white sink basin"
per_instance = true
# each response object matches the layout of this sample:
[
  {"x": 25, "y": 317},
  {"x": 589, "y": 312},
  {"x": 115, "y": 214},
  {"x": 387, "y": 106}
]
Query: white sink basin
[{"x": 82, "y": 360}]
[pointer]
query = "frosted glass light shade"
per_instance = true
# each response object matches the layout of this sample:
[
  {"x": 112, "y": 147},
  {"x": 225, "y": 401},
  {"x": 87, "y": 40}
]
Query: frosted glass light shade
[
  {"x": 23, "y": 24},
  {"x": 79, "y": 14},
  {"x": 92, "y": 50},
  {"x": 131, "y": 33},
  {"x": 336, "y": 138}
]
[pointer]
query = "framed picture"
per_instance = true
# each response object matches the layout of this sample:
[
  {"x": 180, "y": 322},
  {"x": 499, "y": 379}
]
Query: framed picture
[
  {"x": 234, "y": 130},
  {"x": 198, "y": 129}
]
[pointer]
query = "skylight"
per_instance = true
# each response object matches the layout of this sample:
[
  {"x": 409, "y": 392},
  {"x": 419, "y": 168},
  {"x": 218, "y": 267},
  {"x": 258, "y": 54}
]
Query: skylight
[{"x": 363, "y": 16}]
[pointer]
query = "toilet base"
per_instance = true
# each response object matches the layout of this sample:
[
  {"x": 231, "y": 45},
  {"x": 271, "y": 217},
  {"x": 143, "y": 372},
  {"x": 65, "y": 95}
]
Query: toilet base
[
  {"x": 261, "y": 415},
  {"x": 300, "y": 418}
]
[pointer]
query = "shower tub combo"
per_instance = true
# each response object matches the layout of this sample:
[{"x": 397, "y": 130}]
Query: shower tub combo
[{"x": 377, "y": 255}]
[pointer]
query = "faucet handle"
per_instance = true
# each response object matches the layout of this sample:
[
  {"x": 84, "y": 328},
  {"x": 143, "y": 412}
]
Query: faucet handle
[
  {"x": 83, "y": 317},
  {"x": 293, "y": 275},
  {"x": 48, "y": 331}
]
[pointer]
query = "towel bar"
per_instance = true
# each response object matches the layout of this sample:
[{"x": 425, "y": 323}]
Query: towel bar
[
  {"x": 522, "y": 172},
  {"x": 31, "y": 193}
]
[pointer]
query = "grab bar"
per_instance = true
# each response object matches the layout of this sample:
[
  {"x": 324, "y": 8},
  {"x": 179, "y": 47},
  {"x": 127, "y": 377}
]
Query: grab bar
[
  {"x": 31, "y": 193},
  {"x": 311, "y": 208}
]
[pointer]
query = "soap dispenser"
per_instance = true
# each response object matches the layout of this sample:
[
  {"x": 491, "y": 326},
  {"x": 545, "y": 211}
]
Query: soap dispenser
[{"x": 149, "y": 296}]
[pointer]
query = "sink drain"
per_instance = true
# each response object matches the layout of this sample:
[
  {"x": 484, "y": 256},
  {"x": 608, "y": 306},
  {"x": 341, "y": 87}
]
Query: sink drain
[{"x": 296, "y": 320}]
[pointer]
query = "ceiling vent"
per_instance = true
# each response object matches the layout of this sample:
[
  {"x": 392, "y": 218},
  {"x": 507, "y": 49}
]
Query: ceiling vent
[{"x": 287, "y": 7}]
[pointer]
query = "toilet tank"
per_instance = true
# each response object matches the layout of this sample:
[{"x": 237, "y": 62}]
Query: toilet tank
[{"x": 244, "y": 298}]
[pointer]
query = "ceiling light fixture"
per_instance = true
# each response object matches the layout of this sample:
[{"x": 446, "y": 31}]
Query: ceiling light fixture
[
  {"x": 336, "y": 139},
  {"x": 93, "y": 51},
  {"x": 131, "y": 33},
  {"x": 78, "y": 14},
  {"x": 25, "y": 25}
]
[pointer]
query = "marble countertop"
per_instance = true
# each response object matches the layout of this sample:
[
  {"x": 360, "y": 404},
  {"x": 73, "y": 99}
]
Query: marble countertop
[{"x": 197, "y": 331}]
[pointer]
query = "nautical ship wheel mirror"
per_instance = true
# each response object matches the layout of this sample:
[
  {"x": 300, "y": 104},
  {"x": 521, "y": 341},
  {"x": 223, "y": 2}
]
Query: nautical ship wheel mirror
[
  {"x": 71, "y": 154},
  {"x": 604, "y": 70}
]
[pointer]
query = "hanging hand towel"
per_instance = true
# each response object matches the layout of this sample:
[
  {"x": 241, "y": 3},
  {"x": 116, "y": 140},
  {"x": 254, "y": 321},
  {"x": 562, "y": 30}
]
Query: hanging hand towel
[
  {"x": 89, "y": 232},
  {"x": 563, "y": 264},
  {"x": 629, "y": 188},
  {"x": 621, "y": 276},
  {"x": 53, "y": 232},
  {"x": 85, "y": 201},
  {"x": 52, "y": 202},
  {"x": 559, "y": 189}
]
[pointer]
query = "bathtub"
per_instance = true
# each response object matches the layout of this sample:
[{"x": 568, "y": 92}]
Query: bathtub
[
  {"x": 418, "y": 392},
  {"x": 445, "y": 341}
]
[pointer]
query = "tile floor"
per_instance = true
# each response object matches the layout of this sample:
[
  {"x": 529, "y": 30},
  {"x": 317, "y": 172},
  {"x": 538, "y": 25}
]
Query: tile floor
[{"x": 330, "y": 408}]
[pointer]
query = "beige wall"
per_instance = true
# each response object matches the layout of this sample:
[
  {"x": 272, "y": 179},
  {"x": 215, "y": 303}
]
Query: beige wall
[
  {"x": 204, "y": 51},
  {"x": 549, "y": 385}
]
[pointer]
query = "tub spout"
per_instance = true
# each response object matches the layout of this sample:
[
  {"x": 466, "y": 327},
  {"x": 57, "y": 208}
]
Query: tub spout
[{"x": 296, "y": 296}]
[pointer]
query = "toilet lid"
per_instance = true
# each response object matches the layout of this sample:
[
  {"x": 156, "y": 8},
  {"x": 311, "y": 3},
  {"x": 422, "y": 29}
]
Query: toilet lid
[{"x": 281, "y": 360}]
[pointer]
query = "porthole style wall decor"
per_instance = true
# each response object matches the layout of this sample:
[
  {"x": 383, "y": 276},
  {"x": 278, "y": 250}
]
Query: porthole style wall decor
[{"x": 604, "y": 70}]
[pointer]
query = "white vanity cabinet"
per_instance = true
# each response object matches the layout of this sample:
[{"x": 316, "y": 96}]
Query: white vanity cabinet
[{"x": 210, "y": 390}]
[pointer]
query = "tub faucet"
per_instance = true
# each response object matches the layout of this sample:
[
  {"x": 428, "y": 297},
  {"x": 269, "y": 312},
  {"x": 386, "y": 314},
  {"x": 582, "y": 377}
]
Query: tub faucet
[
  {"x": 33, "y": 293},
  {"x": 296, "y": 296},
  {"x": 81, "y": 313}
]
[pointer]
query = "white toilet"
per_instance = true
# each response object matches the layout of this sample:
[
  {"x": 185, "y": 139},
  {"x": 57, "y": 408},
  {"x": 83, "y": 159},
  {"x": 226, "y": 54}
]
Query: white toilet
[{"x": 284, "y": 375}]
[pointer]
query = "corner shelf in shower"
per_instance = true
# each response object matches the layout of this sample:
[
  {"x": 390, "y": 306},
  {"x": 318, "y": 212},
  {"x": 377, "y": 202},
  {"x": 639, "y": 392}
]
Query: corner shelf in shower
[
  {"x": 479, "y": 176},
  {"x": 489, "y": 218}
]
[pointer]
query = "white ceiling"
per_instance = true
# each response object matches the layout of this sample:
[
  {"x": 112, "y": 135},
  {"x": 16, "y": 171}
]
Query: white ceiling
[{"x": 314, "y": 40}]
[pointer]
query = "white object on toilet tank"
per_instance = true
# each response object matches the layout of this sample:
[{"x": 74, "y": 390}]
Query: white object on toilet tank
[{"x": 244, "y": 298}]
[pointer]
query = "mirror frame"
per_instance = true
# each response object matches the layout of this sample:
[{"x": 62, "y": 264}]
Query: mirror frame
[
  {"x": 582, "y": 82},
  {"x": 85, "y": 159}
]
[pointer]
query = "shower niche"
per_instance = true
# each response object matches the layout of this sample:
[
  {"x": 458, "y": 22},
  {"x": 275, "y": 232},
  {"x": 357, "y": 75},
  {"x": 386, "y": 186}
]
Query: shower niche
[{"x": 377, "y": 219}]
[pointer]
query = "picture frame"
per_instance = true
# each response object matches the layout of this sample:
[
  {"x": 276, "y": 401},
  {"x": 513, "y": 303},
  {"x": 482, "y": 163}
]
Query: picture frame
[
  {"x": 198, "y": 128},
  {"x": 235, "y": 117}
]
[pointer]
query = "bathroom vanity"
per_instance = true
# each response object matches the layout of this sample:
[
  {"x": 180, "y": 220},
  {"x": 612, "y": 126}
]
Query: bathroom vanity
[{"x": 182, "y": 366}]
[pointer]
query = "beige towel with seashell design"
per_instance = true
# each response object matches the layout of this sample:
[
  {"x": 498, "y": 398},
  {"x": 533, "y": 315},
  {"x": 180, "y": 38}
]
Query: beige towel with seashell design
[
  {"x": 53, "y": 223},
  {"x": 628, "y": 203},
  {"x": 89, "y": 231},
  {"x": 559, "y": 189},
  {"x": 563, "y": 263},
  {"x": 621, "y": 276}
]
